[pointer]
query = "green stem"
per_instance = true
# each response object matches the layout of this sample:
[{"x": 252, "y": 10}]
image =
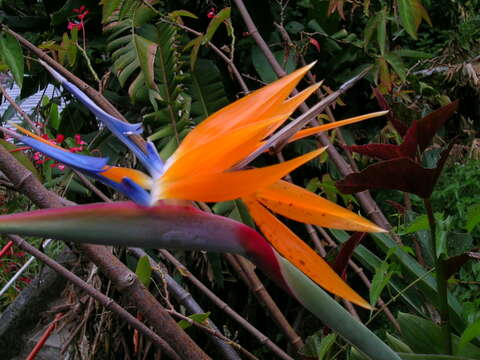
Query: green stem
[{"x": 441, "y": 281}]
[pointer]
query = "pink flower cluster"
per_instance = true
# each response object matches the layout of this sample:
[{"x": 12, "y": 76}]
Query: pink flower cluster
[
  {"x": 82, "y": 13},
  {"x": 40, "y": 159}
]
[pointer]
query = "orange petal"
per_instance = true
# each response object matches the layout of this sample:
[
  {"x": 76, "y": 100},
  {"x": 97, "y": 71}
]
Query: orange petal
[
  {"x": 300, "y": 254},
  {"x": 225, "y": 186},
  {"x": 116, "y": 174},
  {"x": 260, "y": 104},
  {"x": 220, "y": 153},
  {"x": 36, "y": 137},
  {"x": 302, "y": 205},
  {"x": 317, "y": 129}
]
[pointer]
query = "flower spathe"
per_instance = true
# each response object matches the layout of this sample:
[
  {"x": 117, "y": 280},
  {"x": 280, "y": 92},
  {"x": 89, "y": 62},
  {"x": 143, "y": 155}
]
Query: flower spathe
[{"x": 199, "y": 171}]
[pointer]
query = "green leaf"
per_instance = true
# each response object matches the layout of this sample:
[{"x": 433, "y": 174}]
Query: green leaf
[
  {"x": 334, "y": 315},
  {"x": 144, "y": 271},
  {"x": 54, "y": 117},
  {"x": 470, "y": 333},
  {"x": 380, "y": 279},
  {"x": 207, "y": 90},
  {"x": 424, "y": 336},
  {"x": 108, "y": 7},
  {"x": 198, "y": 318},
  {"x": 12, "y": 55},
  {"x": 219, "y": 18},
  {"x": 397, "y": 344},
  {"x": 397, "y": 64},
  {"x": 146, "y": 51},
  {"x": 180, "y": 13},
  {"x": 406, "y": 9},
  {"x": 318, "y": 346},
  {"x": 473, "y": 217},
  {"x": 263, "y": 67},
  {"x": 21, "y": 157},
  {"x": 382, "y": 31},
  {"x": 412, "y": 54},
  {"x": 432, "y": 357}
]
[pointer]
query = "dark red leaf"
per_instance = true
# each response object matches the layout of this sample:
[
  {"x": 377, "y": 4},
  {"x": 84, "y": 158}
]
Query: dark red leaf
[
  {"x": 341, "y": 261},
  {"x": 379, "y": 151},
  {"x": 400, "y": 126},
  {"x": 399, "y": 207},
  {"x": 417, "y": 137},
  {"x": 430, "y": 124},
  {"x": 396, "y": 174},
  {"x": 454, "y": 263}
]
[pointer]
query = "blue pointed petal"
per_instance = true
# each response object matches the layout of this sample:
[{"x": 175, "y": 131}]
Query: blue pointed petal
[
  {"x": 119, "y": 128},
  {"x": 135, "y": 192},
  {"x": 77, "y": 161},
  {"x": 154, "y": 158}
]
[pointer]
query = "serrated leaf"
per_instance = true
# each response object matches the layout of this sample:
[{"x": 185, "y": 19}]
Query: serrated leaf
[
  {"x": 207, "y": 90},
  {"x": 12, "y": 55},
  {"x": 144, "y": 271},
  {"x": 108, "y": 7},
  {"x": 198, "y": 318},
  {"x": 146, "y": 51}
]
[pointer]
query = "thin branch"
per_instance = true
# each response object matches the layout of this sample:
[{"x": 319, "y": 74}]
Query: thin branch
[{"x": 18, "y": 109}]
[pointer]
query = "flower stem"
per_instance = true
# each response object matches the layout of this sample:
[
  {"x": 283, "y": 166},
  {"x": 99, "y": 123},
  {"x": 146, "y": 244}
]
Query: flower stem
[{"x": 441, "y": 281}]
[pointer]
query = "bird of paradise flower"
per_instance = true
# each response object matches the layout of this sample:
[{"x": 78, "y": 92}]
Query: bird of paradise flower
[{"x": 201, "y": 170}]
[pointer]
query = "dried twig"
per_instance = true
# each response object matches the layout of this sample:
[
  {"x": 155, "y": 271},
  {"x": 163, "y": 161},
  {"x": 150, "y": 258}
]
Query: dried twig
[{"x": 90, "y": 290}]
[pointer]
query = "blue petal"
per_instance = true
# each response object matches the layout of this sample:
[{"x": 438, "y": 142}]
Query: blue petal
[
  {"x": 119, "y": 128},
  {"x": 77, "y": 161}
]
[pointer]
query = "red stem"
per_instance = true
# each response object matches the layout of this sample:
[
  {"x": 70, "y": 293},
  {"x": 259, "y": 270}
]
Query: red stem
[
  {"x": 44, "y": 338},
  {"x": 6, "y": 248}
]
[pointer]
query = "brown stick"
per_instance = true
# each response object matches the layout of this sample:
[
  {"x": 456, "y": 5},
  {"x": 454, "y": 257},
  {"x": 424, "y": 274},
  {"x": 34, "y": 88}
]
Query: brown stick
[{"x": 104, "y": 300}]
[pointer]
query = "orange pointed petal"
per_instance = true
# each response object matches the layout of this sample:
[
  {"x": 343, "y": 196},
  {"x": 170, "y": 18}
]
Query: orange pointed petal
[
  {"x": 260, "y": 104},
  {"x": 116, "y": 174},
  {"x": 36, "y": 137},
  {"x": 220, "y": 153},
  {"x": 302, "y": 205},
  {"x": 211, "y": 187},
  {"x": 300, "y": 254},
  {"x": 317, "y": 129}
]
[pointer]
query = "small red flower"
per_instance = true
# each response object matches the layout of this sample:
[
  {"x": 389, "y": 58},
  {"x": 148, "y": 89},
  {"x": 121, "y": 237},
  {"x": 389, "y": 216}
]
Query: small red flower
[
  {"x": 59, "y": 139},
  {"x": 79, "y": 10},
  {"x": 71, "y": 25},
  {"x": 315, "y": 43},
  {"x": 78, "y": 140},
  {"x": 82, "y": 16},
  {"x": 212, "y": 13}
]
